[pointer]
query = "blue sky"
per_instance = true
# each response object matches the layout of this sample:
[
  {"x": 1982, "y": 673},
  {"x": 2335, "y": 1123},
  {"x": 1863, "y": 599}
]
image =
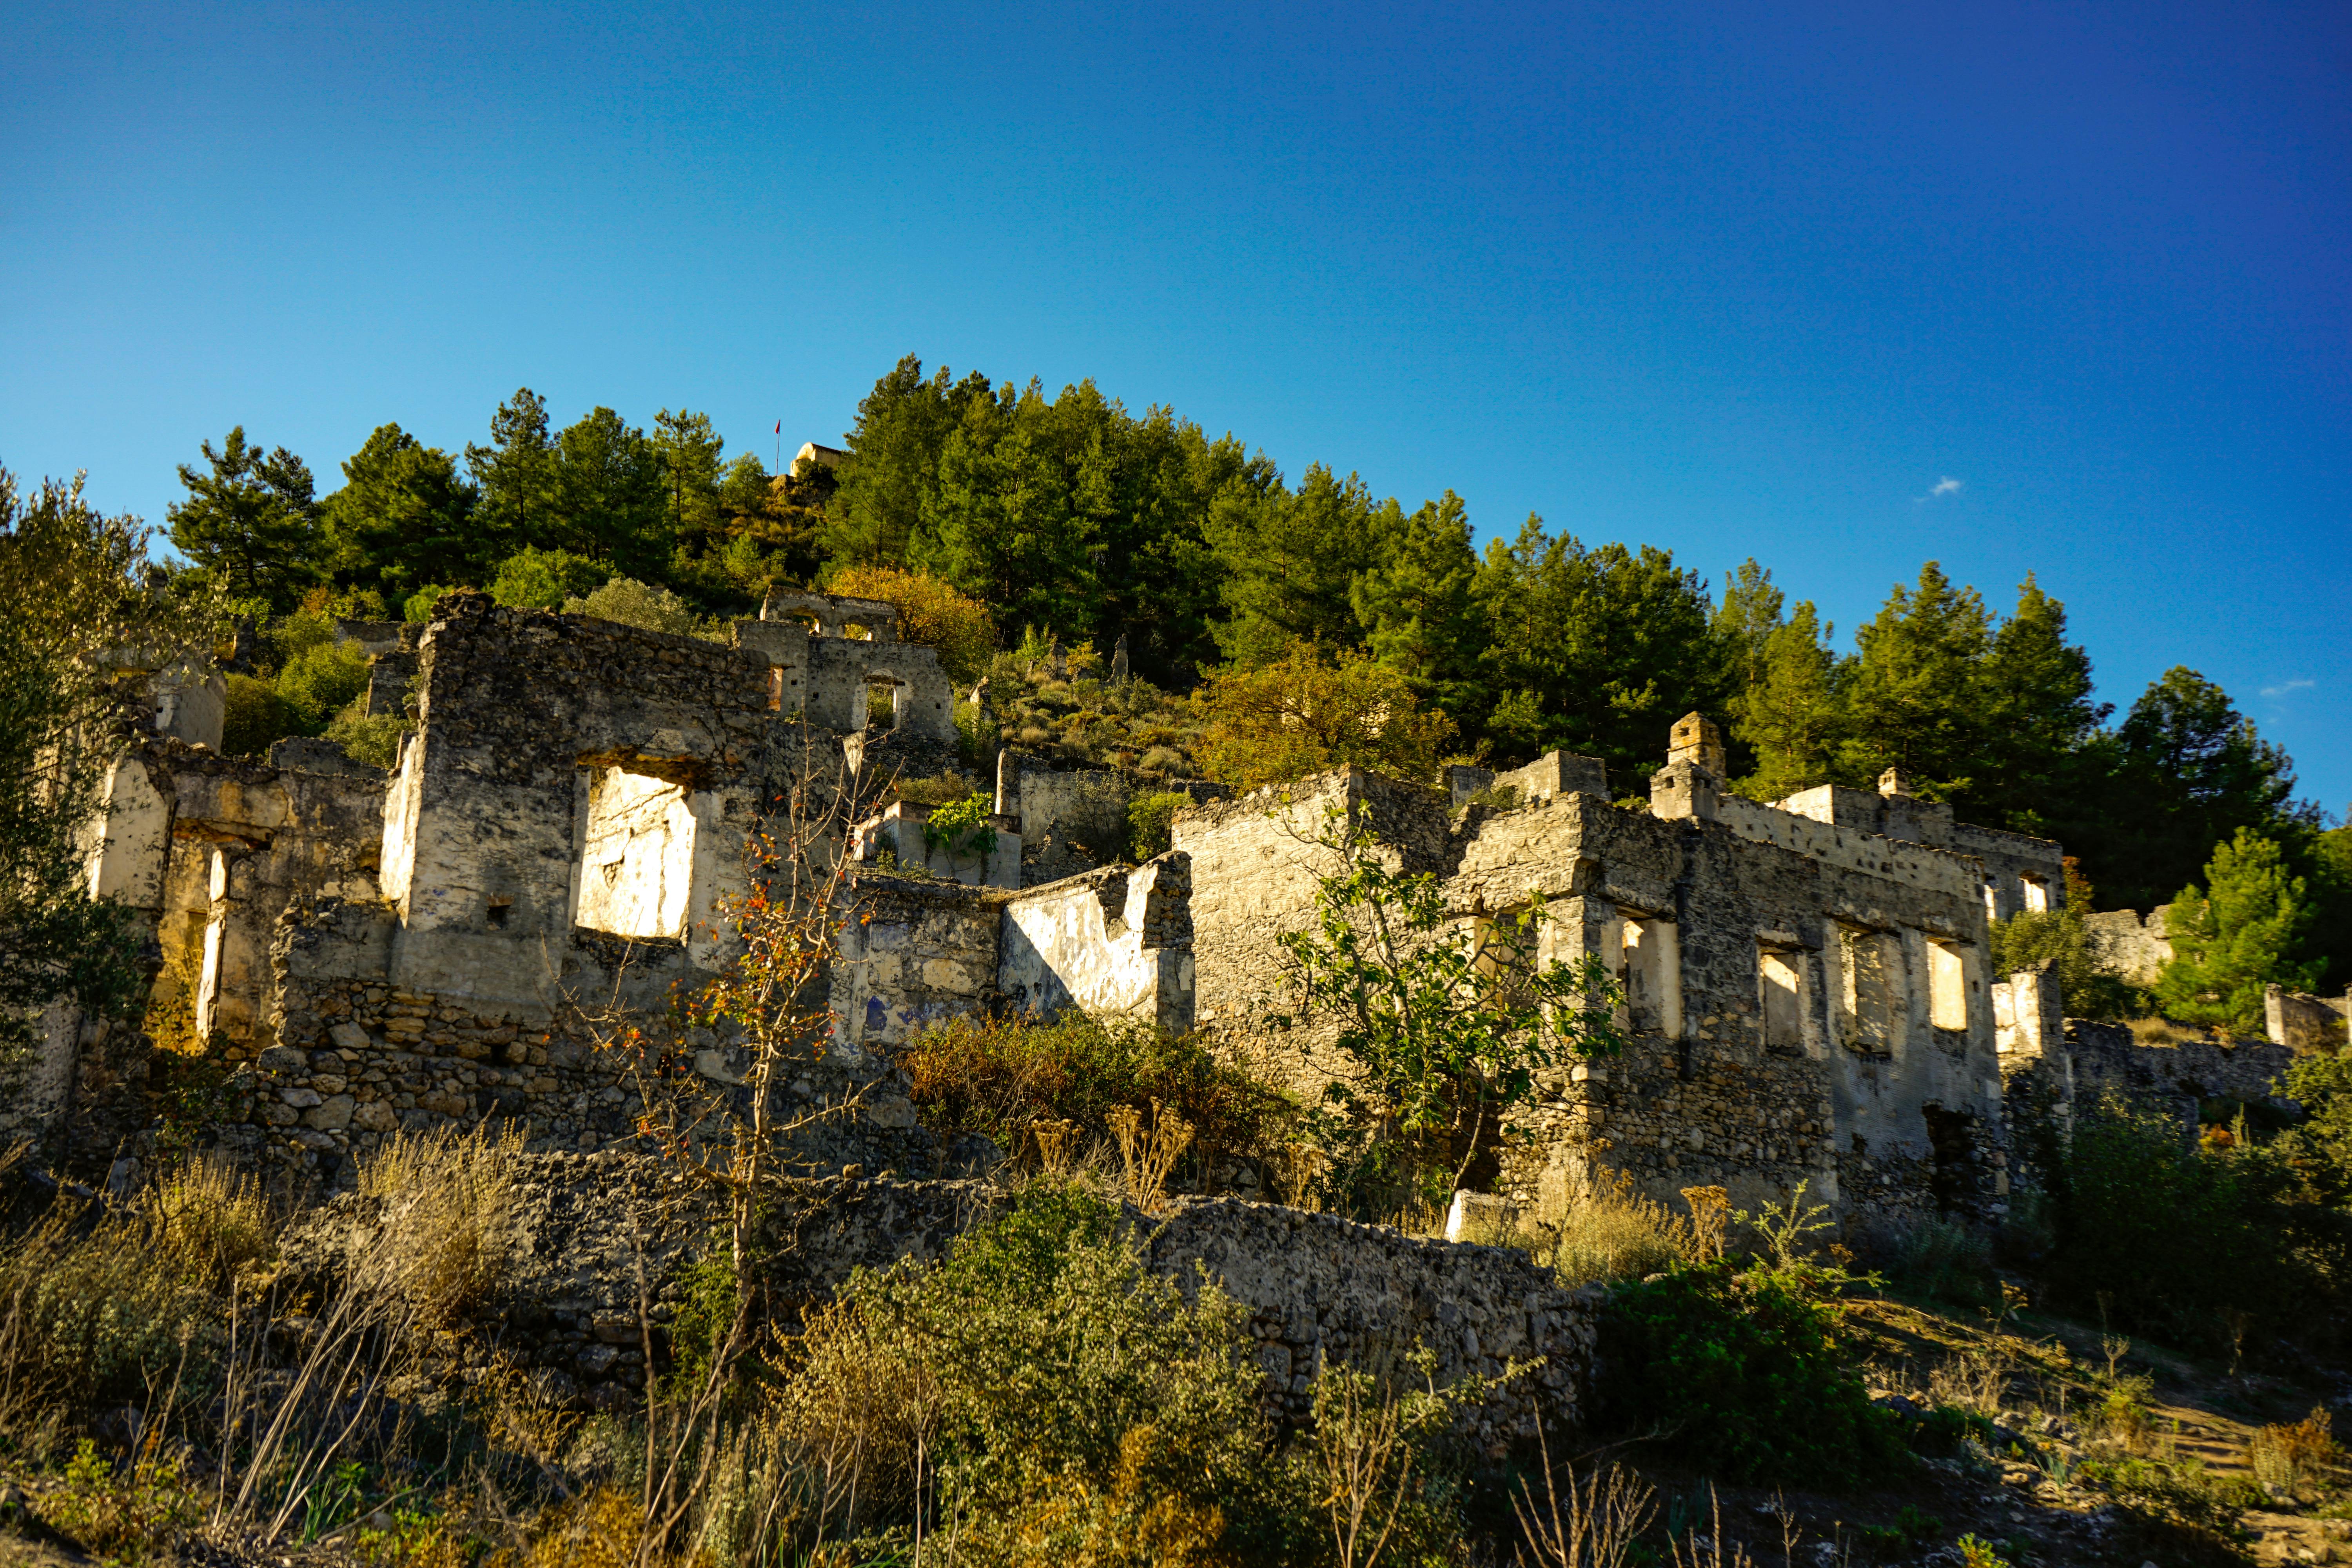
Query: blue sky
[{"x": 2059, "y": 288}]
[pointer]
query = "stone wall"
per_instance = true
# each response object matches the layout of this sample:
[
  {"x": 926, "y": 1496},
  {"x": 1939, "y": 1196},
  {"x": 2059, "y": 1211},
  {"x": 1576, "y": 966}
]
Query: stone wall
[
  {"x": 2301, "y": 1022},
  {"x": 1316, "y": 1285},
  {"x": 2122, "y": 944},
  {"x": 1114, "y": 943},
  {"x": 1072, "y": 821},
  {"x": 1892, "y": 1104}
]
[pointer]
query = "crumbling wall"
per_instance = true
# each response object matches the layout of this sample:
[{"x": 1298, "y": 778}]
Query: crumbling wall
[
  {"x": 913, "y": 953},
  {"x": 1700, "y": 918},
  {"x": 1110, "y": 943},
  {"x": 2122, "y": 944},
  {"x": 2301, "y": 1022},
  {"x": 1070, "y": 821},
  {"x": 1317, "y": 1286}
]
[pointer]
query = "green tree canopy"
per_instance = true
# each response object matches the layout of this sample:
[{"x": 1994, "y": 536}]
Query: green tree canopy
[
  {"x": 692, "y": 474},
  {"x": 250, "y": 521},
  {"x": 1595, "y": 650},
  {"x": 1915, "y": 700},
  {"x": 403, "y": 518},
  {"x": 2185, "y": 771},
  {"x": 516, "y": 476},
  {"x": 2232, "y": 938},
  {"x": 1417, "y": 606}
]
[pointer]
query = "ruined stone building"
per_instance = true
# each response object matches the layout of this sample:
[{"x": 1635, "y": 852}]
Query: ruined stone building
[
  {"x": 1810, "y": 990},
  {"x": 562, "y": 835}
]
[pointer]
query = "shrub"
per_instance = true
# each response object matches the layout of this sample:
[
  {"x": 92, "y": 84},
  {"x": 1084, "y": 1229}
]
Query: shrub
[
  {"x": 418, "y": 606},
  {"x": 543, "y": 579},
  {"x": 1948, "y": 1260},
  {"x": 1744, "y": 1376},
  {"x": 256, "y": 717},
  {"x": 1045, "y": 1379},
  {"x": 1302, "y": 714},
  {"x": 372, "y": 741},
  {"x": 999, "y": 1077},
  {"x": 1150, "y": 820},
  {"x": 320, "y": 680},
  {"x": 94, "y": 1312},
  {"x": 634, "y": 604},
  {"x": 2179, "y": 1241}
]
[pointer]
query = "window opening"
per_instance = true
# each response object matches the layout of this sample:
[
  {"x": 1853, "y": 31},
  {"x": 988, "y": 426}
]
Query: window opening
[
  {"x": 1948, "y": 986},
  {"x": 637, "y": 863},
  {"x": 497, "y": 911},
  {"x": 1870, "y": 990},
  {"x": 1782, "y": 977},
  {"x": 2037, "y": 895},
  {"x": 1651, "y": 971},
  {"x": 775, "y": 688},
  {"x": 882, "y": 704}
]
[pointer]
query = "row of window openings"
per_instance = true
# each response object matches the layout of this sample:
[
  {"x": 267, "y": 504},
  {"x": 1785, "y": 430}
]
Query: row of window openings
[
  {"x": 881, "y": 699},
  {"x": 1874, "y": 1001},
  {"x": 2032, "y": 892},
  {"x": 1872, "y": 1005}
]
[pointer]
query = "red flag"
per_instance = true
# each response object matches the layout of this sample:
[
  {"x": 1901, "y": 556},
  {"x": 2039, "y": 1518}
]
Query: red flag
[{"x": 780, "y": 427}]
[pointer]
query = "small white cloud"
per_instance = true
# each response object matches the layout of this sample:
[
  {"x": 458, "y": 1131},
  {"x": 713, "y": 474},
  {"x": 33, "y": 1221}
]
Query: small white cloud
[
  {"x": 2283, "y": 688},
  {"x": 1943, "y": 486}
]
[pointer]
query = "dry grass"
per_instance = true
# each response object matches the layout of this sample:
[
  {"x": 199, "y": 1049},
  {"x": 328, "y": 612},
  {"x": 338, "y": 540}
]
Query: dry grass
[
  {"x": 443, "y": 1218},
  {"x": 96, "y": 1303},
  {"x": 1146, "y": 1157},
  {"x": 1594, "y": 1524},
  {"x": 2165, "y": 1032},
  {"x": 2295, "y": 1456},
  {"x": 1607, "y": 1232}
]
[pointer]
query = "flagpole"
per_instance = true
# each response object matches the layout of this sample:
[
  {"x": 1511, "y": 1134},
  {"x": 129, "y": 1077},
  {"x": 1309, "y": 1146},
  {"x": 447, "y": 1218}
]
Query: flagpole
[{"x": 779, "y": 446}]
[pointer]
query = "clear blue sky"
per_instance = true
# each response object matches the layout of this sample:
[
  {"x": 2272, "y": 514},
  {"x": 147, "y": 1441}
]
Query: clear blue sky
[{"x": 1732, "y": 278}]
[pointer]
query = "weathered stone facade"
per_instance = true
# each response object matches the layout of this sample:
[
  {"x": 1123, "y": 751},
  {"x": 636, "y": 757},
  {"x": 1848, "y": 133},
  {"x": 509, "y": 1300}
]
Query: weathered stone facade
[
  {"x": 561, "y": 840},
  {"x": 1807, "y": 998}
]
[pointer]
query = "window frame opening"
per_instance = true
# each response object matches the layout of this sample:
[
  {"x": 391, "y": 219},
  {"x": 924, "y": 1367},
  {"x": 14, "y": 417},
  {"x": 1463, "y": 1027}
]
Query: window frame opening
[
  {"x": 1870, "y": 994},
  {"x": 1947, "y": 985},
  {"x": 1781, "y": 997},
  {"x": 636, "y": 862}
]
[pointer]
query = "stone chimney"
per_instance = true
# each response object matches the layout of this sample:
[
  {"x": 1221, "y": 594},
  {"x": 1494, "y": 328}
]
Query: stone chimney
[
  {"x": 1697, "y": 739},
  {"x": 1691, "y": 784},
  {"x": 1895, "y": 783}
]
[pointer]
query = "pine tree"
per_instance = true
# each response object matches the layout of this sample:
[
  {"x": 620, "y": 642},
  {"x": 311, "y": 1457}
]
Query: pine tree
[
  {"x": 516, "y": 476},
  {"x": 251, "y": 522},
  {"x": 2036, "y": 687},
  {"x": 1416, "y": 607},
  {"x": 610, "y": 493},
  {"x": 1792, "y": 717},
  {"x": 402, "y": 520},
  {"x": 692, "y": 470},
  {"x": 2232, "y": 938},
  {"x": 1290, "y": 557},
  {"x": 2185, "y": 771},
  {"x": 1915, "y": 699},
  {"x": 1595, "y": 650}
]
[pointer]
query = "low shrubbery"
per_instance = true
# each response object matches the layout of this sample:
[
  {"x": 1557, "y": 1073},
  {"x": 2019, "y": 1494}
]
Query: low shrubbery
[
  {"x": 1743, "y": 1373},
  {"x": 1003, "y": 1078},
  {"x": 2196, "y": 1245}
]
